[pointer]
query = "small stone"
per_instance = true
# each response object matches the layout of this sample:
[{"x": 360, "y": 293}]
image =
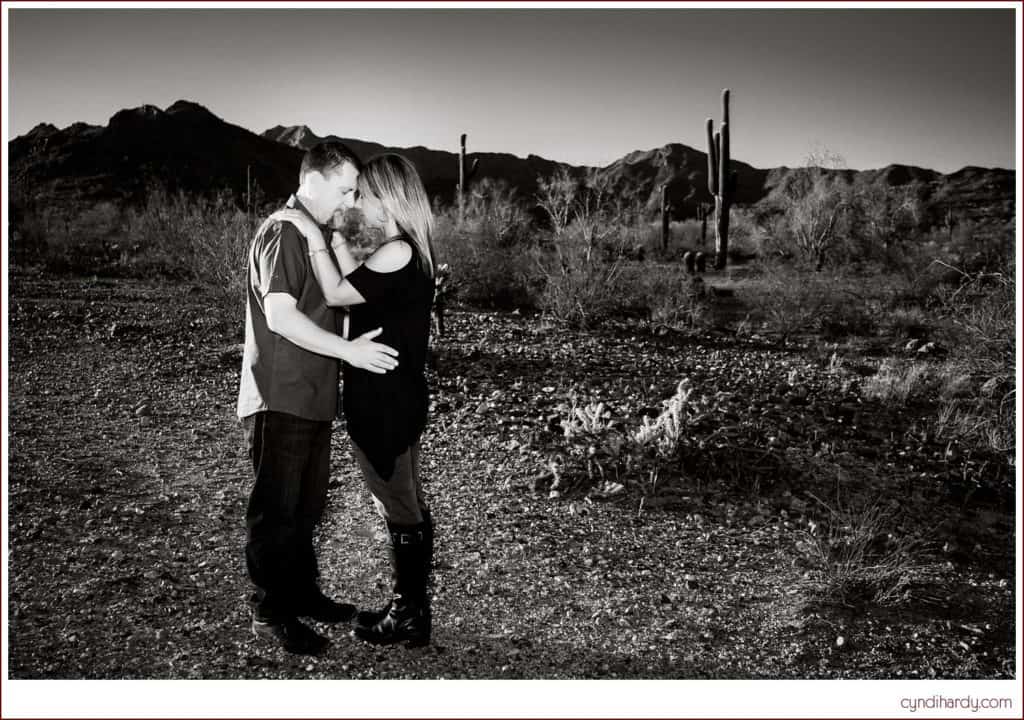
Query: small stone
[
  {"x": 840, "y": 641},
  {"x": 989, "y": 387},
  {"x": 143, "y": 410},
  {"x": 912, "y": 345}
]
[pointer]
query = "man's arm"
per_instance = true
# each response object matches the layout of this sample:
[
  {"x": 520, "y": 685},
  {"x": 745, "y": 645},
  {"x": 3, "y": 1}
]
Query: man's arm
[
  {"x": 285, "y": 319},
  {"x": 338, "y": 292}
]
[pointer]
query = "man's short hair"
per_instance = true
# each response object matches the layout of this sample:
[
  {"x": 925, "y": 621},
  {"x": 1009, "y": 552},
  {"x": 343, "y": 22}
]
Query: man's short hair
[{"x": 327, "y": 156}]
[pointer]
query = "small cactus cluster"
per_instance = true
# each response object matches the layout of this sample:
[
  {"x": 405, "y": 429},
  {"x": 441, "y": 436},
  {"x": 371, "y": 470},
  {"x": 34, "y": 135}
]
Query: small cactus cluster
[
  {"x": 592, "y": 418},
  {"x": 666, "y": 431},
  {"x": 466, "y": 174},
  {"x": 599, "y": 447},
  {"x": 721, "y": 181}
]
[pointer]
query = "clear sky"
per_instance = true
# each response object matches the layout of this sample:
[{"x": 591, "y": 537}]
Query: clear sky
[{"x": 928, "y": 86}]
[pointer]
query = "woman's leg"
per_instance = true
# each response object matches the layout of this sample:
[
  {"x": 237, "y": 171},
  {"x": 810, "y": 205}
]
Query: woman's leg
[{"x": 398, "y": 498}]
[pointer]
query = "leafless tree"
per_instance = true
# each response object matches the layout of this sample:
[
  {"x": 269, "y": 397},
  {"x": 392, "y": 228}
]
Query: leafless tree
[
  {"x": 556, "y": 195},
  {"x": 815, "y": 199}
]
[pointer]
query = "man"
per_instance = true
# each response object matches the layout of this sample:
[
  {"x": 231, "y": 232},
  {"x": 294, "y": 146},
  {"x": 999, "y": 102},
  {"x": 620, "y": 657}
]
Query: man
[{"x": 287, "y": 399}]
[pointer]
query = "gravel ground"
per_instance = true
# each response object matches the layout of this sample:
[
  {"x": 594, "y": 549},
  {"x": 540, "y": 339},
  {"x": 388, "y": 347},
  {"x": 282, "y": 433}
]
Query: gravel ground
[{"x": 128, "y": 484}]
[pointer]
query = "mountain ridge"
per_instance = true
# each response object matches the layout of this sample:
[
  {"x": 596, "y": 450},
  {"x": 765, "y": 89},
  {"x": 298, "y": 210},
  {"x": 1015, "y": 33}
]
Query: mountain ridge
[{"x": 187, "y": 147}]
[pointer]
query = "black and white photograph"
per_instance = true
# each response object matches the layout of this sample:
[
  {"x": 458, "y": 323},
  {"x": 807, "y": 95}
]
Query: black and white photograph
[{"x": 545, "y": 346}]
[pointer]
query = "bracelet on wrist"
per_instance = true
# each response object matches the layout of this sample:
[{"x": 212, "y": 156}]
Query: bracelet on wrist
[{"x": 311, "y": 253}]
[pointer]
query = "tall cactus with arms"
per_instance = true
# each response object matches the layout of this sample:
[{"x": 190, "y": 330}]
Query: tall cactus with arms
[
  {"x": 721, "y": 182},
  {"x": 465, "y": 175},
  {"x": 666, "y": 216}
]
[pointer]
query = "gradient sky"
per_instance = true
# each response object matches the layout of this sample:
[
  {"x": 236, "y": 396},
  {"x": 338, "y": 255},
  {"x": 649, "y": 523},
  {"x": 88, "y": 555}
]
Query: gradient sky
[{"x": 933, "y": 87}]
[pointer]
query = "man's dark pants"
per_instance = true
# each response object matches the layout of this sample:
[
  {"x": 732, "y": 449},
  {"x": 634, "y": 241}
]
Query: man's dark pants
[{"x": 291, "y": 463}]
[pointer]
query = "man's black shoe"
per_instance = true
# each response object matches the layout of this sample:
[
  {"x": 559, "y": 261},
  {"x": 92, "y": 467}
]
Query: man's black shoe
[
  {"x": 290, "y": 634},
  {"x": 321, "y": 608},
  {"x": 403, "y": 623},
  {"x": 368, "y": 618}
]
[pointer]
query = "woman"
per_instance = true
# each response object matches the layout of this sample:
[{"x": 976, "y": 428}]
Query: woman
[{"x": 386, "y": 414}]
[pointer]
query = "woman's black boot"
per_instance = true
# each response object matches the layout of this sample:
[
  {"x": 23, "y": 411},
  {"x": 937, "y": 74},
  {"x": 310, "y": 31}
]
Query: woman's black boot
[{"x": 407, "y": 617}]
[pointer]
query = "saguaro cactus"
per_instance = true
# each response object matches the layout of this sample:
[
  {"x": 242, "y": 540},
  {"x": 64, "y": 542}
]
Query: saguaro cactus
[
  {"x": 465, "y": 175},
  {"x": 721, "y": 182},
  {"x": 666, "y": 211},
  {"x": 703, "y": 211}
]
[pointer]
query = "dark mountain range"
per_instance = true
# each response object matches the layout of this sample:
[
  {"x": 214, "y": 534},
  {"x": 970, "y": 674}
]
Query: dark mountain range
[
  {"x": 438, "y": 168},
  {"x": 185, "y": 147},
  {"x": 189, "y": 148}
]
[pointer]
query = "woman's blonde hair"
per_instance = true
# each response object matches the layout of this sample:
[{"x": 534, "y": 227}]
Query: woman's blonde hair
[{"x": 394, "y": 180}]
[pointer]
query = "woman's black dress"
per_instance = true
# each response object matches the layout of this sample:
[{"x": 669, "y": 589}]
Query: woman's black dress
[{"x": 386, "y": 413}]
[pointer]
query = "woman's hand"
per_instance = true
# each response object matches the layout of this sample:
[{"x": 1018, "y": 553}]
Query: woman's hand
[
  {"x": 305, "y": 225},
  {"x": 365, "y": 354}
]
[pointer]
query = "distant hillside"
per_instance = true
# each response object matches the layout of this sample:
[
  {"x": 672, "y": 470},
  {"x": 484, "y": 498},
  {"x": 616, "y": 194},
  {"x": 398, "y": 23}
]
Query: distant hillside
[
  {"x": 184, "y": 147},
  {"x": 187, "y": 147},
  {"x": 438, "y": 168}
]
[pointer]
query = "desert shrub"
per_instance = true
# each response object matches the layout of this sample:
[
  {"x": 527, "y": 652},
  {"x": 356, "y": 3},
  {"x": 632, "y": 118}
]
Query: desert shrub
[
  {"x": 880, "y": 221},
  {"x": 70, "y": 239},
  {"x": 790, "y": 299},
  {"x": 855, "y": 554},
  {"x": 846, "y": 316},
  {"x": 202, "y": 239},
  {"x": 907, "y": 323},
  {"x": 974, "y": 248},
  {"x": 487, "y": 270},
  {"x": 979, "y": 318},
  {"x": 579, "y": 286},
  {"x": 814, "y": 202},
  {"x": 683, "y": 235},
  {"x": 31, "y": 228},
  {"x": 745, "y": 235},
  {"x": 495, "y": 212},
  {"x": 666, "y": 295},
  {"x": 900, "y": 382}
]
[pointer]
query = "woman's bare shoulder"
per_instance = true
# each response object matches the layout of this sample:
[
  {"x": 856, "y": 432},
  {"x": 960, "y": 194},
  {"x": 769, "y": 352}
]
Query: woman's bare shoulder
[{"x": 390, "y": 256}]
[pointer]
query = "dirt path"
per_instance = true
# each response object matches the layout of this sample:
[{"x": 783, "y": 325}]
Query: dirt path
[{"x": 128, "y": 483}]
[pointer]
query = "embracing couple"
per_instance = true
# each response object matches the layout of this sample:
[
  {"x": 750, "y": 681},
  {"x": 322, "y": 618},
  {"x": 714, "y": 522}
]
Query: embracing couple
[{"x": 300, "y": 269}]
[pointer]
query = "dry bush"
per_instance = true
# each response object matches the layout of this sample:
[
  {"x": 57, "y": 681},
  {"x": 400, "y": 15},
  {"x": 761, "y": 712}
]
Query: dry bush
[
  {"x": 487, "y": 270},
  {"x": 203, "y": 239},
  {"x": 82, "y": 240},
  {"x": 900, "y": 382},
  {"x": 579, "y": 287},
  {"x": 907, "y": 322},
  {"x": 980, "y": 317},
  {"x": 670, "y": 297},
  {"x": 789, "y": 299},
  {"x": 856, "y": 555}
]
